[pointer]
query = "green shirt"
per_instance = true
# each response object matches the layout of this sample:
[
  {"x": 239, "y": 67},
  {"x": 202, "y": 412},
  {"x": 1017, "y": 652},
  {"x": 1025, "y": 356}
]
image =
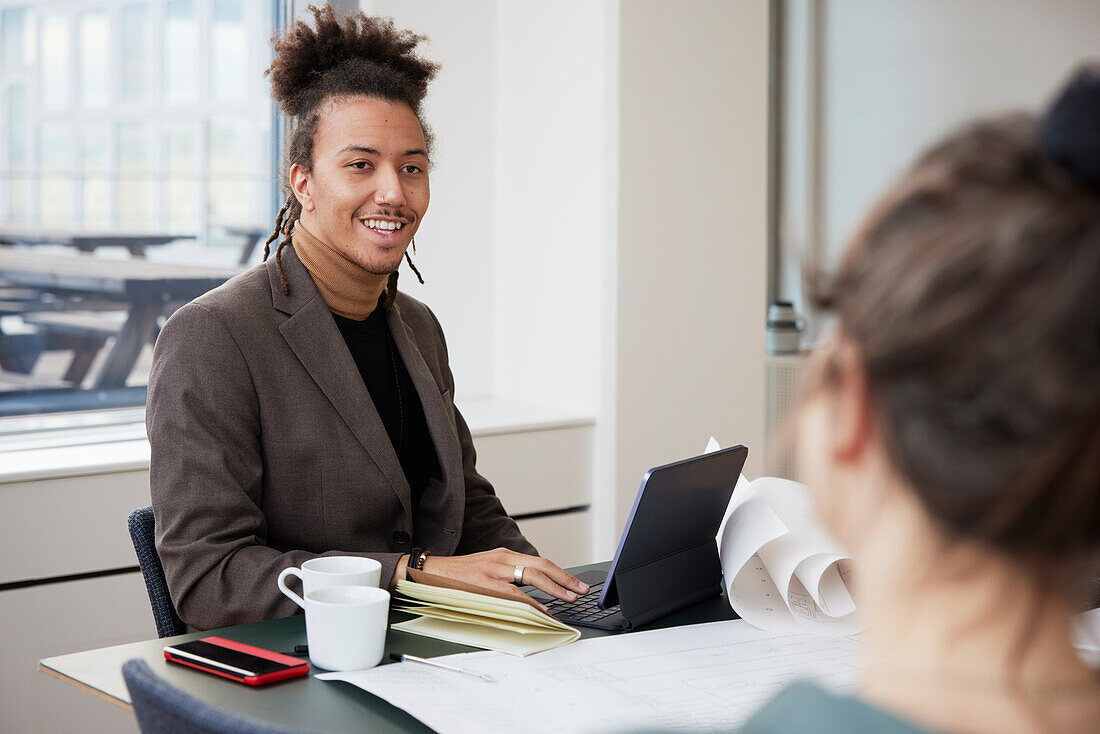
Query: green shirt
[{"x": 808, "y": 709}]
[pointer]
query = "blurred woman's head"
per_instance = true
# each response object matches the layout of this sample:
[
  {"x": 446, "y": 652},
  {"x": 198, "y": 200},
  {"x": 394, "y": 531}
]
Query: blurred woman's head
[{"x": 966, "y": 363}]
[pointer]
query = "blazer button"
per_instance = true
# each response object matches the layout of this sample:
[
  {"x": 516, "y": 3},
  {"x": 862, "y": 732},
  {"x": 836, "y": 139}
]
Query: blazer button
[{"x": 401, "y": 537}]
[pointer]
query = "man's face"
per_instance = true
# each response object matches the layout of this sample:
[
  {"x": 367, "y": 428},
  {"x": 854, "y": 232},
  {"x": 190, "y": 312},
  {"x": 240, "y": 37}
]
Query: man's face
[{"x": 368, "y": 187}]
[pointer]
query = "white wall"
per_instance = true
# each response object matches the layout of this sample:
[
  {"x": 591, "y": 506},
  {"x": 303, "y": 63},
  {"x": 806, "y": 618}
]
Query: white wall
[
  {"x": 554, "y": 189},
  {"x": 513, "y": 239},
  {"x": 897, "y": 75},
  {"x": 596, "y": 239},
  {"x": 692, "y": 232},
  {"x": 456, "y": 243}
]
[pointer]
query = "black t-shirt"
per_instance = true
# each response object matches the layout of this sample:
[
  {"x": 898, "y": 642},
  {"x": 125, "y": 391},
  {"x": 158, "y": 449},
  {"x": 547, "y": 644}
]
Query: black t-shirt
[{"x": 394, "y": 396}]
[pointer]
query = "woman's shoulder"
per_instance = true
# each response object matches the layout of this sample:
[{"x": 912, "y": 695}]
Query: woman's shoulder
[{"x": 809, "y": 709}]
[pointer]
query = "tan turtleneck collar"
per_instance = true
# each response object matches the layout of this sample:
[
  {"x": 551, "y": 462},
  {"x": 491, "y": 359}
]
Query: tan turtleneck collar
[{"x": 348, "y": 290}]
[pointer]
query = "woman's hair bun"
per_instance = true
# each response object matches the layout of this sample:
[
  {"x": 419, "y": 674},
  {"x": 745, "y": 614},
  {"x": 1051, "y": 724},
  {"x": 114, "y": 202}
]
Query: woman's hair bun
[
  {"x": 1069, "y": 132},
  {"x": 347, "y": 55}
]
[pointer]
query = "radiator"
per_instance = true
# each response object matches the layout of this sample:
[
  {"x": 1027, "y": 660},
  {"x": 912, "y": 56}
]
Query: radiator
[{"x": 782, "y": 376}]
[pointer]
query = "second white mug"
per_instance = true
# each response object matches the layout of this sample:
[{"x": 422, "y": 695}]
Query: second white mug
[
  {"x": 326, "y": 571},
  {"x": 346, "y": 626}
]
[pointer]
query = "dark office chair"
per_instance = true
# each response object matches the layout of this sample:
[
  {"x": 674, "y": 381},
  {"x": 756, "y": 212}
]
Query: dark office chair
[
  {"x": 161, "y": 708},
  {"x": 142, "y": 526}
]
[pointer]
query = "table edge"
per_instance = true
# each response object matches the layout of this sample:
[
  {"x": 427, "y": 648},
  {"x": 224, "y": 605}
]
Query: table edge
[{"x": 43, "y": 668}]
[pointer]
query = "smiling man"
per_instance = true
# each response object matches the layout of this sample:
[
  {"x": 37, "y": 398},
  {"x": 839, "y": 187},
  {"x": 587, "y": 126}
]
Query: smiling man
[
  {"x": 306, "y": 407},
  {"x": 367, "y": 201}
]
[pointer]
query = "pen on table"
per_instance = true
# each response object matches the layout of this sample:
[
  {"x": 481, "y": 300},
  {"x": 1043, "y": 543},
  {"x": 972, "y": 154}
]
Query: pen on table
[{"x": 414, "y": 659}]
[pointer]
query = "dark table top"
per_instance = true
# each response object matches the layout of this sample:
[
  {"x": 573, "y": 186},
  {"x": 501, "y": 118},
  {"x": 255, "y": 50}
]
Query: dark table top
[
  {"x": 132, "y": 279},
  {"x": 85, "y": 240},
  {"x": 304, "y": 702}
]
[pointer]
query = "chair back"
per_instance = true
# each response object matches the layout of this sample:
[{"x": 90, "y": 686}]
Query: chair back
[
  {"x": 142, "y": 529},
  {"x": 161, "y": 708}
]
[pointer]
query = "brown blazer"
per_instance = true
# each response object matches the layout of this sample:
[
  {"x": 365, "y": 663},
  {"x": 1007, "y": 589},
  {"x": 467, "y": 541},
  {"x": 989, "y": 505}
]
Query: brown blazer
[{"x": 267, "y": 450}]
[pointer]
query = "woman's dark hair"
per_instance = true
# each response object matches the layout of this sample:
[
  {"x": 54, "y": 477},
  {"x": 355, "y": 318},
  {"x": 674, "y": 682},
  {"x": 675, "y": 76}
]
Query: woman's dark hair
[
  {"x": 972, "y": 291},
  {"x": 339, "y": 57}
]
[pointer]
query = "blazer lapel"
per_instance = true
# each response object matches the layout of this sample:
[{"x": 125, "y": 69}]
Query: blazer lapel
[
  {"x": 312, "y": 334},
  {"x": 441, "y": 426}
]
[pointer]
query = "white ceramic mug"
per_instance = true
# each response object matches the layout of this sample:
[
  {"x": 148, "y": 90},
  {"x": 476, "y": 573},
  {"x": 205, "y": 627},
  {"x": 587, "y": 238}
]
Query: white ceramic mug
[
  {"x": 346, "y": 626},
  {"x": 320, "y": 573}
]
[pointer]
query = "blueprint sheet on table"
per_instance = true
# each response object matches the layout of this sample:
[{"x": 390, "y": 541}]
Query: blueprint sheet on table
[{"x": 696, "y": 678}]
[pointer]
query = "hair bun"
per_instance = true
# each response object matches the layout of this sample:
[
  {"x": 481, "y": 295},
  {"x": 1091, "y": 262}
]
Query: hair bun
[
  {"x": 1069, "y": 133},
  {"x": 350, "y": 52}
]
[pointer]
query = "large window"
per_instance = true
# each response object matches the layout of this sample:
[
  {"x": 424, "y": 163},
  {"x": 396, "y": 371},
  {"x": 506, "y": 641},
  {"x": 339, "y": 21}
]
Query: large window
[
  {"x": 865, "y": 87},
  {"x": 135, "y": 171}
]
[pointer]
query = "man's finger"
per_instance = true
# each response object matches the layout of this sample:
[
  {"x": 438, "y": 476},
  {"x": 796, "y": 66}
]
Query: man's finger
[
  {"x": 511, "y": 560},
  {"x": 561, "y": 577},
  {"x": 535, "y": 577},
  {"x": 552, "y": 570}
]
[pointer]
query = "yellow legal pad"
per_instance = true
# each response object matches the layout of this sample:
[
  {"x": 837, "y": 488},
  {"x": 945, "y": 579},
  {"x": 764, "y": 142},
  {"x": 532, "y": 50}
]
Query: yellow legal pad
[{"x": 468, "y": 615}]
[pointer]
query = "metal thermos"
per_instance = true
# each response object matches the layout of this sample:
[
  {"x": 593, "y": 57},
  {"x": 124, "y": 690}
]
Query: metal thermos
[{"x": 784, "y": 335}]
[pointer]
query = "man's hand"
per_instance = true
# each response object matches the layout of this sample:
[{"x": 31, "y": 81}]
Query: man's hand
[{"x": 494, "y": 570}]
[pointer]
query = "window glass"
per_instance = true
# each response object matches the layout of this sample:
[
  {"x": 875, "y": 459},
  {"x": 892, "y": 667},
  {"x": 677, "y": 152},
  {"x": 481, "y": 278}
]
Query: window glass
[
  {"x": 134, "y": 47},
  {"x": 229, "y": 67},
  {"x": 135, "y": 188},
  {"x": 17, "y": 144},
  {"x": 95, "y": 182},
  {"x": 15, "y": 37},
  {"x": 54, "y": 60},
  {"x": 227, "y": 143},
  {"x": 181, "y": 185},
  {"x": 55, "y": 181},
  {"x": 16, "y": 119},
  {"x": 145, "y": 124},
  {"x": 181, "y": 52},
  {"x": 94, "y": 57}
]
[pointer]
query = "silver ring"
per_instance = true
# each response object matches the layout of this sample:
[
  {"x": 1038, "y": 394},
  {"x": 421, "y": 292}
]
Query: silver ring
[{"x": 517, "y": 576}]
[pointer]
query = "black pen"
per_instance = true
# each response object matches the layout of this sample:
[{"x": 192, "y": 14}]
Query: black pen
[{"x": 414, "y": 659}]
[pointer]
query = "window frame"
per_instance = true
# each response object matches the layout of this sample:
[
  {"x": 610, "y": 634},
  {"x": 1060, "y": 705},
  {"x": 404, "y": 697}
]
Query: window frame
[{"x": 262, "y": 153}]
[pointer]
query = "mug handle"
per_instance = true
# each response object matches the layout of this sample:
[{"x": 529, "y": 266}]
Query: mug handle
[{"x": 283, "y": 588}]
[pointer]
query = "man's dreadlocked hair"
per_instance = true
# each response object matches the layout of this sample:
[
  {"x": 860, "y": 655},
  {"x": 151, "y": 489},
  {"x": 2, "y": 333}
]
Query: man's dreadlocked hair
[{"x": 353, "y": 56}]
